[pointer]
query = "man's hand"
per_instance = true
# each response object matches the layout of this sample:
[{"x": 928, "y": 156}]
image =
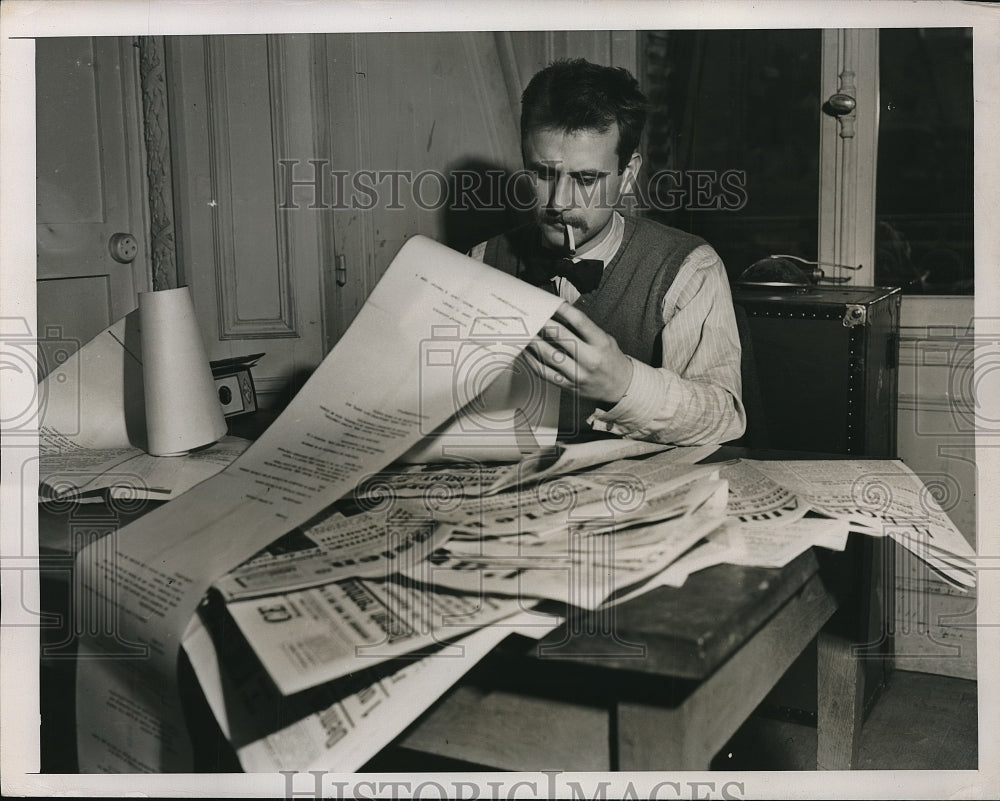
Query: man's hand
[{"x": 574, "y": 352}]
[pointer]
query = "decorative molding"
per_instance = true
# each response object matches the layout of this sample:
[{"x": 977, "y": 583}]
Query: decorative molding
[
  {"x": 156, "y": 133},
  {"x": 232, "y": 324},
  {"x": 280, "y": 120},
  {"x": 848, "y": 149},
  {"x": 942, "y": 404},
  {"x": 363, "y": 157},
  {"x": 320, "y": 100}
]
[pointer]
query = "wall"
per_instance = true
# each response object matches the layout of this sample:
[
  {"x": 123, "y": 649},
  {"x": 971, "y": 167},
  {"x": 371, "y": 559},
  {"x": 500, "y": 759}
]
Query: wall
[
  {"x": 300, "y": 165},
  {"x": 936, "y": 439}
]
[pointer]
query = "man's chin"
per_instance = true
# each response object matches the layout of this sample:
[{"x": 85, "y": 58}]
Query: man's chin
[{"x": 553, "y": 233}]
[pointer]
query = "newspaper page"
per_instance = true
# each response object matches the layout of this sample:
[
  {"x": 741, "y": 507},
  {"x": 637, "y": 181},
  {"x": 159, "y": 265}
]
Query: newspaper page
[
  {"x": 776, "y": 547},
  {"x": 344, "y": 732},
  {"x": 371, "y": 543},
  {"x": 882, "y": 497},
  {"x": 625, "y": 488},
  {"x": 341, "y": 425},
  {"x": 477, "y": 478},
  {"x": 757, "y": 499},
  {"x": 314, "y": 636},
  {"x": 130, "y": 472},
  {"x": 586, "y": 564}
]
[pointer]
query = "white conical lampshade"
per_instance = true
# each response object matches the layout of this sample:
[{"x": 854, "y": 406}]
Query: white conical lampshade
[{"x": 182, "y": 407}]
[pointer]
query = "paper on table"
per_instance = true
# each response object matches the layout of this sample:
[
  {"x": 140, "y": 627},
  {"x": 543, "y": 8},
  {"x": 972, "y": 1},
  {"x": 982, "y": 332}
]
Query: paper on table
[
  {"x": 130, "y": 473},
  {"x": 584, "y": 568},
  {"x": 756, "y": 498},
  {"x": 313, "y": 636},
  {"x": 372, "y": 544},
  {"x": 776, "y": 547},
  {"x": 614, "y": 492},
  {"x": 479, "y": 478},
  {"x": 883, "y": 494},
  {"x": 344, "y": 423},
  {"x": 738, "y": 544},
  {"x": 349, "y": 731}
]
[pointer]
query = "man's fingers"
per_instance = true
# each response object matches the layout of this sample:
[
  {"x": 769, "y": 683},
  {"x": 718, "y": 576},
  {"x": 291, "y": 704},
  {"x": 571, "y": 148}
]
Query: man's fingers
[
  {"x": 579, "y": 323},
  {"x": 551, "y": 363},
  {"x": 558, "y": 335}
]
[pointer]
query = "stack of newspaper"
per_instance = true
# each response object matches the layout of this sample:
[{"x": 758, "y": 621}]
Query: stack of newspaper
[
  {"x": 347, "y": 623},
  {"x": 419, "y": 566},
  {"x": 778, "y": 509}
]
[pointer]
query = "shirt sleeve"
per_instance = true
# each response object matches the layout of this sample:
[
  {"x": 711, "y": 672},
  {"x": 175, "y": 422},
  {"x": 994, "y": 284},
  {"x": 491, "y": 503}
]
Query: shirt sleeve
[{"x": 695, "y": 398}]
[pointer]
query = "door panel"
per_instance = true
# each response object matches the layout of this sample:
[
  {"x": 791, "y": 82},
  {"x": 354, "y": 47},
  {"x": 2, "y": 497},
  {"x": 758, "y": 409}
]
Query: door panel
[
  {"x": 240, "y": 105},
  {"x": 89, "y": 187}
]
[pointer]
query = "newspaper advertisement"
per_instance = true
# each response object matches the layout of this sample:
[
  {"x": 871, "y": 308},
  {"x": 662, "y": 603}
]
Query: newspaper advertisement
[
  {"x": 882, "y": 498},
  {"x": 372, "y": 543},
  {"x": 585, "y": 564},
  {"x": 619, "y": 490},
  {"x": 344, "y": 731},
  {"x": 479, "y": 478},
  {"x": 313, "y": 636}
]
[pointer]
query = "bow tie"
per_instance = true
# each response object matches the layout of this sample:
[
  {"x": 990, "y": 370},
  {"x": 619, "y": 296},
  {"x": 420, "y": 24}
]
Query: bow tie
[{"x": 584, "y": 274}]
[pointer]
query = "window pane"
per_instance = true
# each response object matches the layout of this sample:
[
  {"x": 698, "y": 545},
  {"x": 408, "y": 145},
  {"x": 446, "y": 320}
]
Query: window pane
[
  {"x": 734, "y": 127},
  {"x": 924, "y": 224}
]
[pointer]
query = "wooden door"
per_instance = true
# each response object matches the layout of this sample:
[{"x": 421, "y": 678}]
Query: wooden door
[
  {"x": 90, "y": 193},
  {"x": 240, "y": 106}
]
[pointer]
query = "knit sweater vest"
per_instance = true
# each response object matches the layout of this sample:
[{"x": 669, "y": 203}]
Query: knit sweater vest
[{"x": 628, "y": 302}]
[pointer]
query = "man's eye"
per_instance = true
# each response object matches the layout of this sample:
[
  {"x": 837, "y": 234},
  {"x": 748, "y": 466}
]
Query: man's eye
[
  {"x": 544, "y": 175},
  {"x": 587, "y": 180}
]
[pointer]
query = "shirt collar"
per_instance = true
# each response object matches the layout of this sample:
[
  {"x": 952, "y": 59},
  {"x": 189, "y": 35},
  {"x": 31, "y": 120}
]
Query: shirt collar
[{"x": 606, "y": 248}]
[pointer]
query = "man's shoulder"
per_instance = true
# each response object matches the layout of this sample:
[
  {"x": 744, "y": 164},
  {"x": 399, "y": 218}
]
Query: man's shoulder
[
  {"x": 649, "y": 229},
  {"x": 513, "y": 243},
  {"x": 514, "y": 235}
]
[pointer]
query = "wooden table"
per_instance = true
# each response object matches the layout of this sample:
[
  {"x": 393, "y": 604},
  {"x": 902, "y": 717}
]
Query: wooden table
[
  {"x": 661, "y": 683},
  {"x": 658, "y": 683}
]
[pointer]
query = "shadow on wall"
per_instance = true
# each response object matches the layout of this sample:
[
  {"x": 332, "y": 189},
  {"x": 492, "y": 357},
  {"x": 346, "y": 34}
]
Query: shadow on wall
[{"x": 484, "y": 199}]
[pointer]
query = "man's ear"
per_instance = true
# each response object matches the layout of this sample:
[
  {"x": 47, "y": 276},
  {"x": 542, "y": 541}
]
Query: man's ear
[
  {"x": 631, "y": 172},
  {"x": 630, "y": 177}
]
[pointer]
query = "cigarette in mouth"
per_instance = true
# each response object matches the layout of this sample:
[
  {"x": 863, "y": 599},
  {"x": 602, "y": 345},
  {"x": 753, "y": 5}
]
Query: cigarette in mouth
[{"x": 572, "y": 242}]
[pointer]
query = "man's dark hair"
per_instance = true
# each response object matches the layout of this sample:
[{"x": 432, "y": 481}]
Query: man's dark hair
[{"x": 575, "y": 95}]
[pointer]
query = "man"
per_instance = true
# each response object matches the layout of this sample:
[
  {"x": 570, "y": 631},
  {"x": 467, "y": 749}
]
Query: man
[{"x": 646, "y": 347}]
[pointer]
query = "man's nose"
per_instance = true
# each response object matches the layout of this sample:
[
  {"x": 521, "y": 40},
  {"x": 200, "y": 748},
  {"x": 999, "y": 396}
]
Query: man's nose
[{"x": 561, "y": 195}]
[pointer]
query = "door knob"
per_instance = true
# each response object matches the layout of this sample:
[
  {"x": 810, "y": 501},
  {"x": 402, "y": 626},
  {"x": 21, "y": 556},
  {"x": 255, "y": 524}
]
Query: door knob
[
  {"x": 123, "y": 247},
  {"x": 839, "y": 104}
]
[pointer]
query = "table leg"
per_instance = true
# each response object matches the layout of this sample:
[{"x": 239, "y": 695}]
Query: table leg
[{"x": 840, "y": 691}]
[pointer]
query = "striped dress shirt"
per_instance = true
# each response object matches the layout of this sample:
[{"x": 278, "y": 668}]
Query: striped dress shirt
[{"x": 694, "y": 398}]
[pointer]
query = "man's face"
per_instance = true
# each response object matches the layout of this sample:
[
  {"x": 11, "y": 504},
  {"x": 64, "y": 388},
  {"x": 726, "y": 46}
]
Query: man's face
[{"x": 576, "y": 181}]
